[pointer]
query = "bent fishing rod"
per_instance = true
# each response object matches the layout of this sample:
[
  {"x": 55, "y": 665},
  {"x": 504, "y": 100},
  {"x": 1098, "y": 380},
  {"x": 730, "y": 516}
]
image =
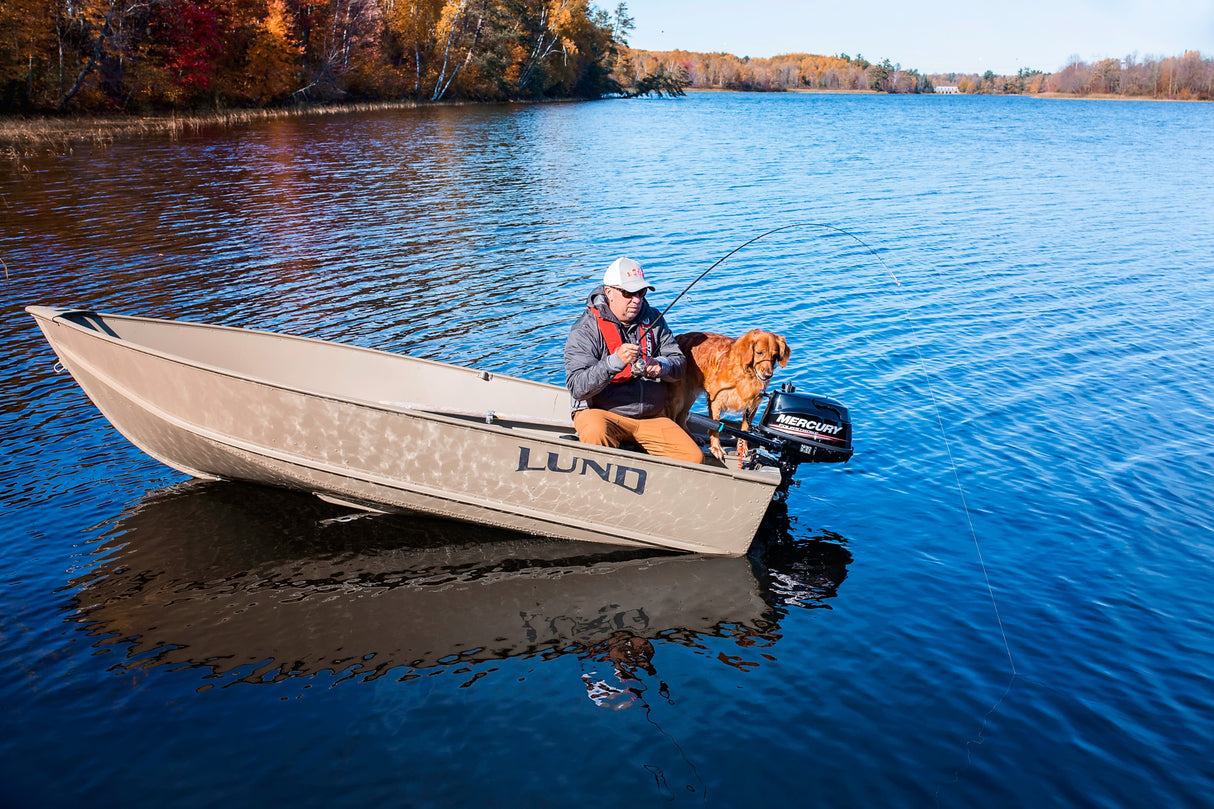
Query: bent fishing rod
[{"x": 749, "y": 242}]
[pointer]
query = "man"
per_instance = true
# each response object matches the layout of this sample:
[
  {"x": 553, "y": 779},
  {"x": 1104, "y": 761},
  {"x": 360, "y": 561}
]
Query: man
[{"x": 616, "y": 357}]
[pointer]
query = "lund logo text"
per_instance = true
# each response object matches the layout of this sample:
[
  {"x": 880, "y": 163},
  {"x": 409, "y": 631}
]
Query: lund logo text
[{"x": 626, "y": 477}]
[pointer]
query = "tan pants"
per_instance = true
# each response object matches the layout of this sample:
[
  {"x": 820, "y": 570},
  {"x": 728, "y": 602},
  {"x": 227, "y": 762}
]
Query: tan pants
[{"x": 658, "y": 435}]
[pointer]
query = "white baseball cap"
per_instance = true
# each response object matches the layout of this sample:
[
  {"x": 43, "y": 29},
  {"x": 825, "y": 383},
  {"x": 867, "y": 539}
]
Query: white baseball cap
[{"x": 626, "y": 274}]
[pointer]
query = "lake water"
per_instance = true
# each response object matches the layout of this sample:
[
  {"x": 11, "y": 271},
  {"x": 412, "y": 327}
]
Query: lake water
[{"x": 1004, "y": 599}]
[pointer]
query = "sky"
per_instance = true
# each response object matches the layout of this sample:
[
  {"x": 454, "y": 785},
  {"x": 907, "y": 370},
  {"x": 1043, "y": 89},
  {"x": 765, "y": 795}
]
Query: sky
[{"x": 963, "y": 37}]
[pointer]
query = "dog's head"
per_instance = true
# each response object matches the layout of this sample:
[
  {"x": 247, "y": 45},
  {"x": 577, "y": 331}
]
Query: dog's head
[{"x": 764, "y": 350}]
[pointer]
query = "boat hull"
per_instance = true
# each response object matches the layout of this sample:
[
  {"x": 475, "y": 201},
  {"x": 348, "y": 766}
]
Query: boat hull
[{"x": 371, "y": 429}]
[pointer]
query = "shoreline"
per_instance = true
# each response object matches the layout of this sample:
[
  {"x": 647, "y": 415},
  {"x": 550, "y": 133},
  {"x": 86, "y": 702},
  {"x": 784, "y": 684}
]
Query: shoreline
[
  {"x": 1050, "y": 95},
  {"x": 1115, "y": 97},
  {"x": 22, "y": 136}
]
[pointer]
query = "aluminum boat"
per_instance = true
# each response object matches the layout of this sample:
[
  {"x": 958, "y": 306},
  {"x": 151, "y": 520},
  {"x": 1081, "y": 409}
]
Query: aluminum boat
[{"x": 387, "y": 432}]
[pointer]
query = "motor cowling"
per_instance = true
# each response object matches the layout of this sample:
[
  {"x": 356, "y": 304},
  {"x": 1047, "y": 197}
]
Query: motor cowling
[
  {"x": 794, "y": 428},
  {"x": 812, "y": 428}
]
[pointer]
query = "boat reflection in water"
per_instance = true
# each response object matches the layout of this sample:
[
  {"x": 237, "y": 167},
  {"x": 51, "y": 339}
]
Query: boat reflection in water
[{"x": 259, "y": 585}]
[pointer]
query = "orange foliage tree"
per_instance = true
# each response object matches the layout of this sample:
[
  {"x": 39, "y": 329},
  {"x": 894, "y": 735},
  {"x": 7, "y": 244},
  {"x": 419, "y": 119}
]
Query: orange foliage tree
[
  {"x": 188, "y": 54},
  {"x": 29, "y": 75}
]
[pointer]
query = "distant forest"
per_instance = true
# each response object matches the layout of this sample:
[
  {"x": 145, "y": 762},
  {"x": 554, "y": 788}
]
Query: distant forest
[
  {"x": 134, "y": 56},
  {"x": 156, "y": 55},
  {"x": 792, "y": 71},
  {"x": 1188, "y": 77},
  {"x": 1184, "y": 77}
]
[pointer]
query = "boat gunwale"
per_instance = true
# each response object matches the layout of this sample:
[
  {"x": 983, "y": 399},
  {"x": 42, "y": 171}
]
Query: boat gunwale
[{"x": 57, "y": 315}]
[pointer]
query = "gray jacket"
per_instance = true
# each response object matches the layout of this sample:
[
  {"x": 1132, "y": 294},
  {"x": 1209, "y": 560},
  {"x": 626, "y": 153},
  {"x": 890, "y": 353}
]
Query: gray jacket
[{"x": 590, "y": 367}]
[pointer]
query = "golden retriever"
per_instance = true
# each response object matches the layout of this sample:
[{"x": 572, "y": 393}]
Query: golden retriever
[{"x": 734, "y": 374}]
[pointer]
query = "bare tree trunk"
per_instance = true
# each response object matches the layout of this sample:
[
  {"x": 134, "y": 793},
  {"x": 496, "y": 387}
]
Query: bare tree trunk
[
  {"x": 439, "y": 87},
  {"x": 417, "y": 69},
  {"x": 95, "y": 57},
  {"x": 59, "y": 40},
  {"x": 541, "y": 49}
]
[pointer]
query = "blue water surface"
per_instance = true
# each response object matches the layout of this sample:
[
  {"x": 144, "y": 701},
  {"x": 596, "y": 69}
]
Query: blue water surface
[{"x": 1002, "y": 600}]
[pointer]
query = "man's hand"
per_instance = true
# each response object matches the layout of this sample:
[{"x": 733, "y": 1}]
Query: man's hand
[{"x": 628, "y": 352}]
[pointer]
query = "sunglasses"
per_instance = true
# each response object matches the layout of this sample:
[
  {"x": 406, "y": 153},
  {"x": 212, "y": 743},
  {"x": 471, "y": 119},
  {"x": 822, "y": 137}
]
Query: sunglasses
[{"x": 640, "y": 293}]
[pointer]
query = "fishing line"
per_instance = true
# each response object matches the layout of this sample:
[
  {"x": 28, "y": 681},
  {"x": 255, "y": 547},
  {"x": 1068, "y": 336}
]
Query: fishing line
[
  {"x": 979, "y": 739},
  {"x": 822, "y": 225},
  {"x": 969, "y": 519},
  {"x": 931, "y": 392}
]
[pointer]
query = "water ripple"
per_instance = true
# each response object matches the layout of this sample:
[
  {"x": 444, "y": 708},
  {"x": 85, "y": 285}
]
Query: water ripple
[{"x": 1025, "y": 315}]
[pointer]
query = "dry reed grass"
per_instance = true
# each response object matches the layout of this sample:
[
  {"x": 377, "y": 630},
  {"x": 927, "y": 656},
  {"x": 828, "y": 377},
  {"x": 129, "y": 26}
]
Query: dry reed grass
[{"x": 25, "y": 137}]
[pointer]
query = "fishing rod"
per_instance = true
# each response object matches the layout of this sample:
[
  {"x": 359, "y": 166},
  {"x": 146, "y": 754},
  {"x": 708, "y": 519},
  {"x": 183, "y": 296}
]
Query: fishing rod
[
  {"x": 749, "y": 242},
  {"x": 794, "y": 427}
]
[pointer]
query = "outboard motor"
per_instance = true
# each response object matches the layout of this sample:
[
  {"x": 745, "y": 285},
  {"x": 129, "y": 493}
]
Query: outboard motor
[
  {"x": 796, "y": 428},
  {"x": 818, "y": 428}
]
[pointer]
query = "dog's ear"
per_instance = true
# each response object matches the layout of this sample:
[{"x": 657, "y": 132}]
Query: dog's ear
[
  {"x": 783, "y": 352},
  {"x": 745, "y": 345}
]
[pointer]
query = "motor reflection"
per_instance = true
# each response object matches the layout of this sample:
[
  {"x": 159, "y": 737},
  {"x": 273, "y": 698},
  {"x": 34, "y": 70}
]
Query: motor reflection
[{"x": 258, "y": 585}]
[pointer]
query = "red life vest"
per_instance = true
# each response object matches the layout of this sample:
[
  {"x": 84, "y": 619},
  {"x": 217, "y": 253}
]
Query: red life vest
[{"x": 614, "y": 337}]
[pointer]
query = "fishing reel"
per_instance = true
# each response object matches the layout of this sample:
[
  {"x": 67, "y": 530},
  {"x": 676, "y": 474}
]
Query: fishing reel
[{"x": 638, "y": 371}]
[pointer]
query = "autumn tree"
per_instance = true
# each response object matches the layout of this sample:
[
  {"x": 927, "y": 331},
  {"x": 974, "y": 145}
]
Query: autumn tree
[
  {"x": 272, "y": 59},
  {"x": 1105, "y": 77},
  {"x": 339, "y": 43},
  {"x": 175, "y": 54},
  {"x": 457, "y": 37},
  {"x": 586, "y": 71},
  {"x": 28, "y": 70},
  {"x": 180, "y": 51},
  {"x": 410, "y": 45},
  {"x": 544, "y": 26},
  {"x": 90, "y": 40}
]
